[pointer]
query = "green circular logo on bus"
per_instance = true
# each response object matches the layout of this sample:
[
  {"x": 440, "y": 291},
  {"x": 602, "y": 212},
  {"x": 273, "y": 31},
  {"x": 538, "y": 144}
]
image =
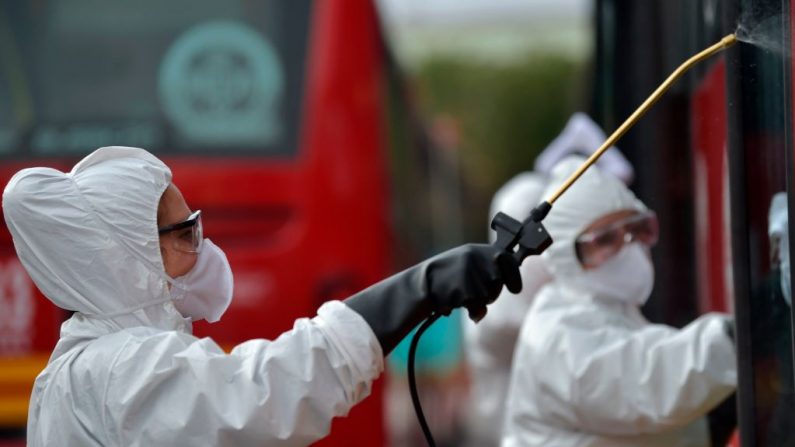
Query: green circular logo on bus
[{"x": 220, "y": 83}]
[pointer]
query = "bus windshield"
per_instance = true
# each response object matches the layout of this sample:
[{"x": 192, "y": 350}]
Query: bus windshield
[{"x": 179, "y": 77}]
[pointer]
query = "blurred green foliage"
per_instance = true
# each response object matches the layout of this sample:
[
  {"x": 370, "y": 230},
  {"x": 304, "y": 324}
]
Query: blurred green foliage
[{"x": 507, "y": 114}]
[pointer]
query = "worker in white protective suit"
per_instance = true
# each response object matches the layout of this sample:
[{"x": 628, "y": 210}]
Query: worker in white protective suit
[
  {"x": 114, "y": 241},
  {"x": 590, "y": 370},
  {"x": 489, "y": 344}
]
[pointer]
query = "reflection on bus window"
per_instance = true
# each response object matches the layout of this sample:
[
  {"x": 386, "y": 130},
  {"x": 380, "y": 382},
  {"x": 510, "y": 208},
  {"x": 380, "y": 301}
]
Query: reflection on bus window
[
  {"x": 779, "y": 244},
  {"x": 772, "y": 334},
  {"x": 768, "y": 420},
  {"x": 197, "y": 76}
]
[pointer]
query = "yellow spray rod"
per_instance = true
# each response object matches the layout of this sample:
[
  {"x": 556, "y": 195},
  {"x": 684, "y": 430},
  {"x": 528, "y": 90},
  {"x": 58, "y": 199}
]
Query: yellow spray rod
[
  {"x": 518, "y": 240},
  {"x": 724, "y": 43}
]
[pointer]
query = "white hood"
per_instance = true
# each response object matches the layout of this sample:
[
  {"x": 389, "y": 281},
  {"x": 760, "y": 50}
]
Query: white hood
[
  {"x": 589, "y": 198},
  {"x": 88, "y": 238},
  {"x": 583, "y": 136}
]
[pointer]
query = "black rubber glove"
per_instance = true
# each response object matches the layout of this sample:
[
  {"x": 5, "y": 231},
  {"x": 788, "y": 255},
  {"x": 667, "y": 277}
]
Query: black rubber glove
[{"x": 466, "y": 276}]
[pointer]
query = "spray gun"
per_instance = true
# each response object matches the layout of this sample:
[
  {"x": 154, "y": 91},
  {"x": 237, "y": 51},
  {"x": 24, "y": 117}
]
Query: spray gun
[{"x": 518, "y": 240}]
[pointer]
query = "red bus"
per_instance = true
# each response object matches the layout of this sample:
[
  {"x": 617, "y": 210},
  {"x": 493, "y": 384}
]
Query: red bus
[
  {"x": 271, "y": 115},
  {"x": 710, "y": 158}
]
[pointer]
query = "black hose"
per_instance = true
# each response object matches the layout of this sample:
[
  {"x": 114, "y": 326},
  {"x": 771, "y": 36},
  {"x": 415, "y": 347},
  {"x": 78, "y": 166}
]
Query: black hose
[{"x": 415, "y": 398}]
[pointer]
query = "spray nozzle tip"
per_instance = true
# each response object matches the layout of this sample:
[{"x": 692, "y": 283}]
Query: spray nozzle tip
[
  {"x": 540, "y": 212},
  {"x": 729, "y": 40}
]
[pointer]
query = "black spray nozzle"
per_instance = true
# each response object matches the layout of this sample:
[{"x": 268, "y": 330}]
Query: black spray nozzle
[
  {"x": 540, "y": 212},
  {"x": 519, "y": 240}
]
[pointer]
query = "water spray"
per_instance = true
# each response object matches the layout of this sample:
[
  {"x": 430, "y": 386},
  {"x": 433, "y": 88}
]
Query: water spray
[{"x": 518, "y": 240}]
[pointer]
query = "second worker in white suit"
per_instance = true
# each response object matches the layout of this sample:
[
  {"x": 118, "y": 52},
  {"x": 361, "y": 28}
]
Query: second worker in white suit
[
  {"x": 489, "y": 344},
  {"x": 589, "y": 369}
]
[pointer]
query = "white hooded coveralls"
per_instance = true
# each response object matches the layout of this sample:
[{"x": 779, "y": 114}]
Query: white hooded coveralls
[
  {"x": 589, "y": 369},
  {"x": 490, "y": 342},
  {"x": 126, "y": 370}
]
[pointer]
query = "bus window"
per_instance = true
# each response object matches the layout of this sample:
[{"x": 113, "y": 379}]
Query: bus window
[
  {"x": 759, "y": 127},
  {"x": 198, "y": 76}
]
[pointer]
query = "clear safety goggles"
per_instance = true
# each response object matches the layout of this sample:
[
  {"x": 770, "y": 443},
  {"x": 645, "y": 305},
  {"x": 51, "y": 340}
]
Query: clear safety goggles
[
  {"x": 186, "y": 236},
  {"x": 597, "y": 246}
]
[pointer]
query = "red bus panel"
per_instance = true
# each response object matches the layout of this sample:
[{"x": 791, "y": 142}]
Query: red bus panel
[{"x": 301, "y": 208}]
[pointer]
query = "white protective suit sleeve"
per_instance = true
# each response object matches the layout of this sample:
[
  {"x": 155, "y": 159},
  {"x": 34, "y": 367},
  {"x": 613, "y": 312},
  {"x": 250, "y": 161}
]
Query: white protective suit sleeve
[
  {"x": 655, "y": 380},
  {"x": 282, "y": 393}
]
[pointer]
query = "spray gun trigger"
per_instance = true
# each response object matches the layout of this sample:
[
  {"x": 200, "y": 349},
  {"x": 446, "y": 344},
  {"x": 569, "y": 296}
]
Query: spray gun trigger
[
  {"x": 534, "y": 240},
  {"x": 531, "y": 237},
  {"x": 508, "y": 231}
]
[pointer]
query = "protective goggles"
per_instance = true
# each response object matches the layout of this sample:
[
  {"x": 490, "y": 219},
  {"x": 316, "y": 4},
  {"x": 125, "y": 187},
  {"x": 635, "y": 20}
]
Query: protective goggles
[
  {"x": 597, "y": 246},
  {"x": 186, "y": 236}
]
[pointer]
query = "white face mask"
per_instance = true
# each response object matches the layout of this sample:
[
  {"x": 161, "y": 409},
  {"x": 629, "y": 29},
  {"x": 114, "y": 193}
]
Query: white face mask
[
  {"x": 628, "y": 276},
  {"x": 206, "y": 290}
]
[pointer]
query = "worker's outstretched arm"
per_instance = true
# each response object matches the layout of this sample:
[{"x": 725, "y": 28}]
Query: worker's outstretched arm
[{"x": 466, "y": 276}]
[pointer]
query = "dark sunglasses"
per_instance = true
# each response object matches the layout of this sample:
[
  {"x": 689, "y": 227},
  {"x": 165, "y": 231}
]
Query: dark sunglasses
[{"x": 188, "y": 235}]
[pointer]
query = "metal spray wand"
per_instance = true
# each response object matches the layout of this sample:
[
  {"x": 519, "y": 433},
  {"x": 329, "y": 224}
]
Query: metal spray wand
[
  {"x": 724, "y": 43},
  {"x": 530, "y": 236}
]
